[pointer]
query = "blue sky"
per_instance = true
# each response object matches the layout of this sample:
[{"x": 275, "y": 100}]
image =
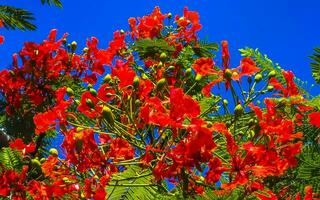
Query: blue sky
[{"x": 286, "y": 30}]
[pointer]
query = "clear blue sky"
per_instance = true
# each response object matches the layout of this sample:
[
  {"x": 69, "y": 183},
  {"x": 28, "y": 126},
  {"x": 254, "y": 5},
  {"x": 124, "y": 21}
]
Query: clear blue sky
[{"x": 286, "y": 30}]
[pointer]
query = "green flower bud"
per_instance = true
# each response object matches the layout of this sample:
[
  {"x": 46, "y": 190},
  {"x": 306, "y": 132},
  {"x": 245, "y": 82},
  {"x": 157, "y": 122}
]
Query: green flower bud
[
  {"x": 53, "y": 152},
  {"x": 136, "y": 82},
  {"x": 198, "y": 78},
  {"x": 107, "y": 78},
  {"x": 188, "y": 72},
  {"x": 73, "y": 46},
  {"x": 144, "y": 76},
  {"x": 79, "y": 129},
  {"x": 85, "y": 50},
  {"x": 107, "y": 115},
  {"x": 70, "y": 92},
  {"x": 42, "y": 160},
  {"x": 163, "y": 56},
  {"x": 35, "y": 163},
  {"x": 228, "y": 74},
  {"x": 169, "y": 15},
  {"x": 238, "y": 111},
  {"x": 258, "y": 78},
  {"x": 272, "y": 74},
  {"x": 93, "y": 92},
  {"x": 89, "y": 86},
  {"x": 171, "y": 68},
  {"x": 137, "y": 102},
  {"x": 161, "y": 83},
  {"x": 270, "y": 88},
  {"x": 89, "y": 103},
  {"x": 225, "y": 102}
]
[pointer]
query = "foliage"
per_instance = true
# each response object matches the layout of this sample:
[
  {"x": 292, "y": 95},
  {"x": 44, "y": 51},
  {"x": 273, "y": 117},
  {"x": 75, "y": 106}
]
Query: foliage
[{"x": 315, "y": 65}]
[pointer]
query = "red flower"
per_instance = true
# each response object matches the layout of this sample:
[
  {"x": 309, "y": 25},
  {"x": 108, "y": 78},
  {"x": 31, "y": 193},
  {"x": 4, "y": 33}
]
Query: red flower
[
  {"x": 248, "y": 67},
  {"x": 19, "y": 145},
  {"x": 119, "y": 149},
  {"x": 291, "y": 89},
  {"x": 314, "y": 119},
  {"x": 204, "y": 66}
]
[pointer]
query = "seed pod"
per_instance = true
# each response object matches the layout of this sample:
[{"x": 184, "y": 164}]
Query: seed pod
[
  {"x": 188, "y": 72},
  {"x": 228, "y": 74},
  {"x": 136, "y": 82},
  {"x": 107, "y": 78},
  {"x": 93, "y": 92},
  {"x": 163, "y": 56},
  {"x": 258, "y": 78},
  {"x": 198, "y": 78},
  {"x": 108, "y": 115},
  {"x": 74, "y": 46},
  {"x": 272, "y": 74},
  {"x": 161, "y": 83},
  {"x": 238, "y": 111},
  {"x": 89, "y": 103},
  {"x": 53, "y": 152},
  {"x": 70, "y": 92}
]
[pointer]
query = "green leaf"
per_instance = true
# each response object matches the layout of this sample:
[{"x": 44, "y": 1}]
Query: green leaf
[
  {"x": 149, "y": 48},
  {"x": 315, "y": 65},
  {"x": 52, "y": 2},
  {"x": 16, "y": 18},
  {"x": 11, "y": 159},
  {"x": 132, "y": 183}
]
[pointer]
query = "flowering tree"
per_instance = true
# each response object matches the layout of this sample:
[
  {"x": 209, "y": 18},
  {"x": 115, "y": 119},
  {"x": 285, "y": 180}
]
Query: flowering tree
[{"x": 159, "y": 124}]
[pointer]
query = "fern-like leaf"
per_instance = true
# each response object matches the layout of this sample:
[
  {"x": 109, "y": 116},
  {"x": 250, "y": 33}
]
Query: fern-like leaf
[
  {"x": 315, "y": 65},
  {"x": 52, "y": 2},
  {"x": 11, "y": 159},
  {"x": 16, "y": 18}
]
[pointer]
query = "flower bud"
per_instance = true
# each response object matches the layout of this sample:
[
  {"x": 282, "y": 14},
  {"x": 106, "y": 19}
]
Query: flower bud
[
  {"x": 89, "y": 103},
  {"x": 163, "y": 56},
  {"x": 137, "y": 102},
  {"x": 107, "y": 115},
  {"x": 198, "y": 78},
  {"x": 238, "y": 111},
  {"x": 272, "y": 74},
  {"x": 53, "y": 152},
  {"x": 225, "y": 102},
  {"x": 73, "y": 46},
  {"x": 270, "y": 88},
  {"x": 188, "y": 72},
  {"x": 228, "y": 74},
  {"x": 85, "y": 50},
  {"x": 136, "y": 82},
  {"x": 169, "y": 15},
  {"x": 258, "y": 78},
  {"x": 35, "y": 163},
  {"x": 161, "y": 83},
  {"x": 107, "y": 78},
  {"x": 93, "y": 92},
  {"x": 70, "y": 92},
  {"x": 171, "y": 68},
  {"x": 144, "y": 76}
]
